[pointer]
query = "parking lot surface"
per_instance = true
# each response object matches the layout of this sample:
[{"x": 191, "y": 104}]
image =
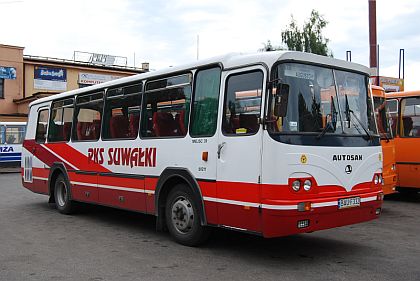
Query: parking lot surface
[{"x": 99, "y": 243}]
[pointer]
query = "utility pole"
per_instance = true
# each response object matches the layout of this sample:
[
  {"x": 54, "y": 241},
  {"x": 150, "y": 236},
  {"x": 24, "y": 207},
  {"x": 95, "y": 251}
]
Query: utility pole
[{"x": 373, "y": 39}]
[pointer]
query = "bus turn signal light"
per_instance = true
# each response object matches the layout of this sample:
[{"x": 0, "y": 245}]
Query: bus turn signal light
[
  {"x": 304, "y": 206},
  {"x": 205, "y": 156}
]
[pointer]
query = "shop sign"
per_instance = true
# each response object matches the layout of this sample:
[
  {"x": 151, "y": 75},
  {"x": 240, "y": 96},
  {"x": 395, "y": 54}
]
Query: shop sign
[
  {"x": 93, "y": 79},
  {"x": 48, "y": 78},
  {"x": 7, "y": 72}
]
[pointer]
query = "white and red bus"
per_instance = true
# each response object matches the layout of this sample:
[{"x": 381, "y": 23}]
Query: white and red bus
[
  {"x": 274, "y": 143},
  {"x": 11, "y": 138}
]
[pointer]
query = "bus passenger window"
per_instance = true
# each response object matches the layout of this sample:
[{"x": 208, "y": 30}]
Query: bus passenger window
[
  {"x": 122, "y": 112},
  {"x": 88, "y": 113},
  {"x": 60, "y": 121},
  {"x": 15, "y": 134},
  {"x": 166, "y": 107},
  {"x": 41, "y": 127},
  {"x": 205, "y": 103},
  {"x": 242, "y": 104},
  {"x": 410, "y": 109}
]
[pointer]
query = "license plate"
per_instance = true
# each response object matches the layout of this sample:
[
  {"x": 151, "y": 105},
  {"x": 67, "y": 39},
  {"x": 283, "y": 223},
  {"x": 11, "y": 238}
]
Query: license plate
[{"x": 348, "y": 202}]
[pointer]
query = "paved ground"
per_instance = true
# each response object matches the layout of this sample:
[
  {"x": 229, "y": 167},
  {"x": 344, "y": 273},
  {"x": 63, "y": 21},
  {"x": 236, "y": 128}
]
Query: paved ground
[{"x": 38, "y": 243}]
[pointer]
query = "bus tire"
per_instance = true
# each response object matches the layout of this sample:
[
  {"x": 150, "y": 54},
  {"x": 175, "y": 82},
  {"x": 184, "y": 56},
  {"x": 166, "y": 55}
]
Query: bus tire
[
  {"x": 182, "y": 217},
  {"x": 62, "y": 195}
]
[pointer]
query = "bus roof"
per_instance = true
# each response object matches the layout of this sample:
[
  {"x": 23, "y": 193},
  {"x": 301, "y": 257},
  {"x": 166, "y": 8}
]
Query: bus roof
[
  {"x": 228, "y": 61},
  {"x": 378, "y": 91},
  {"x": 403, "y": 94}
]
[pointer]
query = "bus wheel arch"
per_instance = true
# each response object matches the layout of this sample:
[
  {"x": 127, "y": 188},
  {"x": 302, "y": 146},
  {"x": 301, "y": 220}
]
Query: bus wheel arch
[
  {"x": 170, "y": 178},
  {"x": 56, "y": 170}
]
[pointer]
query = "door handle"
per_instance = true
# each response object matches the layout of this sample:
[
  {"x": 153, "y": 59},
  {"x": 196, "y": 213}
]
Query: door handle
[{"x": 219, "y": 149}]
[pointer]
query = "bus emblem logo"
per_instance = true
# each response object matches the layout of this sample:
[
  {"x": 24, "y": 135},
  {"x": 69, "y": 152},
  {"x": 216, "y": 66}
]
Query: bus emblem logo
[
  {"x": 303, "y": 159},
  {"x": 348, "y": 169}
]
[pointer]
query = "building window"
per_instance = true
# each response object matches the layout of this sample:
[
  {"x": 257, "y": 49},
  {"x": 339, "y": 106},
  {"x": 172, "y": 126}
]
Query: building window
[{"x": 1, "y": 88}]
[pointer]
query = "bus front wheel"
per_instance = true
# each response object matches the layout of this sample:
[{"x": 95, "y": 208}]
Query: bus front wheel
[
  {"x": 62, "y": 195},
  {"x": 183, "y": 219}
]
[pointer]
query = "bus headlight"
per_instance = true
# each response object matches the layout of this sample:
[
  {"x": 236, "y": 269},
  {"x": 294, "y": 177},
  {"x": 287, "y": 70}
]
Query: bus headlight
[
  {"x": 393, "y": 167},
  {"x": 307, "y": 185},
  {"x": 296, "y": 185}
]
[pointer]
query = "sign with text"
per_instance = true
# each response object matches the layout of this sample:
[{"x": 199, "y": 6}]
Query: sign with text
[
  {"x": 7, "y": 72},
  {"x": 48, "y": 78},
  {"x": 93, "y": 79}
]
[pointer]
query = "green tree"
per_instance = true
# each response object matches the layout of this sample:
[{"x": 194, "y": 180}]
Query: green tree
[{"x": 308, "y": 39}]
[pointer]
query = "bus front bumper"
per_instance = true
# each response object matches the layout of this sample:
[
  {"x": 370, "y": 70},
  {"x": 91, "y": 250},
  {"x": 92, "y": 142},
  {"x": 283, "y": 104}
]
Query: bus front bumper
[{"x": 280, "y": 222}]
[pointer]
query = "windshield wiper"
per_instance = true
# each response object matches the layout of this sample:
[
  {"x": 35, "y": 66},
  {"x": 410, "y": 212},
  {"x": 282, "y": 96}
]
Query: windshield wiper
[
  {"x": 348, "y": 112},
  {"x": 332, "y": 123}
]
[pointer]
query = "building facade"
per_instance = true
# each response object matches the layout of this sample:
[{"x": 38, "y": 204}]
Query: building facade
[{"x": 26, "y": 78}]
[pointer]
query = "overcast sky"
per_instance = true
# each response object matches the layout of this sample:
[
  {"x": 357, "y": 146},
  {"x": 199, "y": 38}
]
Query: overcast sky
[{"x": 164, "y": 32}]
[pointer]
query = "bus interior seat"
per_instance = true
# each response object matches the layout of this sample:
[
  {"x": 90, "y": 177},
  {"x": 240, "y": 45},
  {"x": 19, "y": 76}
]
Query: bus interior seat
[
  {"x": 249, "y": 121},
  {"x": 66, "y": 130},
  {"x": 234, "y": 123},
  {"x": 88, "y": 130},
  {"x": 133, "y": 127},
  {"x": 179, "y": 119},
  {"x": 118, "y": 126},
  {"x": 407, "y": 125},
  {"x": 163, "y": 124}
]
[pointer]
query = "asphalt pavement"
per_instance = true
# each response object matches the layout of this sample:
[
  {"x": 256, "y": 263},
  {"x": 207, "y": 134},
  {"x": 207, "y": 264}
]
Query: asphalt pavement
[{"x": 99, "y": 243}]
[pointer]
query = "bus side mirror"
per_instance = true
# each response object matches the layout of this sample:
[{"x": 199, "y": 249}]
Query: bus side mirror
[{"x": 280, "y": 100}]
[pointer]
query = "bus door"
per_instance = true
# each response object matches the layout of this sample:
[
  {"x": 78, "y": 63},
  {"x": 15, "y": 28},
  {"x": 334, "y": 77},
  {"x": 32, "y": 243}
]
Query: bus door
[
  {"x": 240, "y": 148},
  {"x": 407, "y": 155}
]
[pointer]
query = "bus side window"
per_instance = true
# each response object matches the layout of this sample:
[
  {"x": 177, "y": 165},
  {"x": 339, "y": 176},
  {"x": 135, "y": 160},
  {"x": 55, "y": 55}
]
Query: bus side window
[
  {"x": 410, "y": 109},
  {"x": 122, "y": 112},
  {"x": 41, "y": 127},
  {"x": 88, "y": 118},
  {"x": 205, "y": 102},
  {"x": 392, "y": 106},
  {"x": 242, "y": 105},
  {"x": 2, "y": 134},
  {"x": 166, "y": 107},
  {"x": 60, "y": 121}
]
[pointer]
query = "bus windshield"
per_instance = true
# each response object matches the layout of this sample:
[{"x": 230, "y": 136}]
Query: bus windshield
[
  {"x": 320, "y": 100},
  {"x": 381, "y": 112}
]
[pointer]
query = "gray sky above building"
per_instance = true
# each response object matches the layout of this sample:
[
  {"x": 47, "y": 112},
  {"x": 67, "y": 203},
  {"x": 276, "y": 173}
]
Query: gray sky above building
[{"x": 164, "y": 33}]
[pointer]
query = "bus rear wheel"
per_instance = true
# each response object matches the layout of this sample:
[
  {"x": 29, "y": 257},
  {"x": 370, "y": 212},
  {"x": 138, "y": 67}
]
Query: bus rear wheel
[
  {"x": 183, "y": 219},
  {"x": 62, "y": 195}
]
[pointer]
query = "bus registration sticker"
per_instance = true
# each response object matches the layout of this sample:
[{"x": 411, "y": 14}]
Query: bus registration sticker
[{"x": 348, "y": 202}]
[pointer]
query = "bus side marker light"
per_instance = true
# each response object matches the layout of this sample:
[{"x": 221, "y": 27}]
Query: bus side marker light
[
  {"x": 247, "y": 208},
  {"x": 205, "y": 156},
  {"x": 304, "y": 206}
]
